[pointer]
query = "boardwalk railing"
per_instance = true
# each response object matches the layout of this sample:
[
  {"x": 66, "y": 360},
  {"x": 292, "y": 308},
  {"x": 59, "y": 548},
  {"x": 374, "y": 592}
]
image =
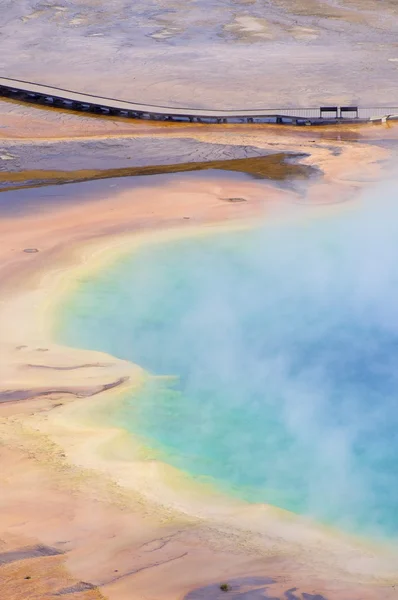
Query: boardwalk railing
[{"x": 26, "y": 91}]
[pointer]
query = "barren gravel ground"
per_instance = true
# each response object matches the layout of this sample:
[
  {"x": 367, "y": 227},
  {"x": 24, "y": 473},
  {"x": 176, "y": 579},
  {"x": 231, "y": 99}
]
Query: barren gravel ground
[{"x": 207, "y": 53}]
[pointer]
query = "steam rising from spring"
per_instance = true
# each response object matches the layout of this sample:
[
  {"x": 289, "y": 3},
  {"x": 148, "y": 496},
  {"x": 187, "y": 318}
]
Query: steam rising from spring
[{"x": 284, "y": 341}]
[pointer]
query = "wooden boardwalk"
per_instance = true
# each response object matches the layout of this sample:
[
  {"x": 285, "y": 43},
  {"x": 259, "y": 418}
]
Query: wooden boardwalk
[{"x": 26, "y": 91}]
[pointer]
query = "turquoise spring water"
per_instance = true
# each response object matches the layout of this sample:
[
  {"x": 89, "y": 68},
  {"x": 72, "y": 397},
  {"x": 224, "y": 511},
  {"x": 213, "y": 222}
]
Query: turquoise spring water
[{"x": 284, "y": 344}]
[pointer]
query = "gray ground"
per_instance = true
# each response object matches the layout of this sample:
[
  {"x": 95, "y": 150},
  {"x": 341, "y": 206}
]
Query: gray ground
[
  {"x": 115, "y": 153},
  {"x": 208, "y": 53},
  {"x": 250, "y": 588}
]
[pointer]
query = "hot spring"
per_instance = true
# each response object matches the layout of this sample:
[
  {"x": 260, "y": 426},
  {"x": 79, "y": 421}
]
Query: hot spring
[{"x": 282, "y": 344}]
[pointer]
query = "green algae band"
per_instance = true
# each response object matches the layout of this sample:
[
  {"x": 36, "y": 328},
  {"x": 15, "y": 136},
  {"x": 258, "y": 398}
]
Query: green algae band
[{"x": 284, "y": 346}]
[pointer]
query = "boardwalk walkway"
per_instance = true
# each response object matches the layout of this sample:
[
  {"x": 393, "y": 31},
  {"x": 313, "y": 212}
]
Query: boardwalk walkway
[{"x": 61, "y": 98}]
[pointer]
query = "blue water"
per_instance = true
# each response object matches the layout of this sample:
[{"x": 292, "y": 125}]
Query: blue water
[{"x": 284, "y": 344}]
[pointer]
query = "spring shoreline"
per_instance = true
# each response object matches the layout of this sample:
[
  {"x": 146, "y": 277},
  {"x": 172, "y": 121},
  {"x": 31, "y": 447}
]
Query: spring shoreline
[{"x": 83, "y": 476}]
